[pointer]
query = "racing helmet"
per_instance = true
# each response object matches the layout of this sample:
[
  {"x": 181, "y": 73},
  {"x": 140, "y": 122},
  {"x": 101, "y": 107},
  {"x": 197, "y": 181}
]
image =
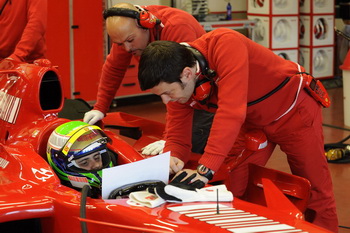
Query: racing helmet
[{"x": 75, "y": 140}]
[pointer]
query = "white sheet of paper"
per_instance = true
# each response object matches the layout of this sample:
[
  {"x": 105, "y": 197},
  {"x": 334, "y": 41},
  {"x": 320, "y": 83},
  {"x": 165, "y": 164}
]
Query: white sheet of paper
[{"x": 154, "y": 168}]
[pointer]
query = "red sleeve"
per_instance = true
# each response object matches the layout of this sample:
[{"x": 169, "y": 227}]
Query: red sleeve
[
  {"x": 231, "y": 64},
  {"x": 182, "y": 32},
  {"x": 178, "y": 25},
  {"x": 179, "y": 130},
  {"x": 34, "y": 31},
  {"x": 113, "y": 72}
]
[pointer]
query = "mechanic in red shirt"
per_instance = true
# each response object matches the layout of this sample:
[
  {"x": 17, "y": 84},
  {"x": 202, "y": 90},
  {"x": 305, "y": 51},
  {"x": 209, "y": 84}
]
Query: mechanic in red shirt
[
  {"x": 250, "y": 88},
  {"x": 22, "y": 27},
  {"x": 130, "y": 36}
]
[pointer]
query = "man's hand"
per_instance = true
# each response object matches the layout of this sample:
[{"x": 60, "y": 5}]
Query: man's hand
[
  {"x": 91, "y": 117},
  {"x": 153, "y": 148},
  {"x": 185, "y": 187},
  {"x": 189, "y": 179},
  {"x": 175, "y": 165},
  {"x": 188, "y": 186}
]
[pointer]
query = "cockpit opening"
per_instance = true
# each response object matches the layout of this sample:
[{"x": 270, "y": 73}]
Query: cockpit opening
[{"x": 50, "y": 91}]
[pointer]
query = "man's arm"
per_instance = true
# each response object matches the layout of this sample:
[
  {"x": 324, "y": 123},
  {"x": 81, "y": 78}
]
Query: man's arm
[
  {"x": 179, "y": 130},
  {"x": 182, "y": 32},
  {"x": 231, "y": 64},
  {"x": 113, "y": 72},
  {"x": 34, "y": 31}
]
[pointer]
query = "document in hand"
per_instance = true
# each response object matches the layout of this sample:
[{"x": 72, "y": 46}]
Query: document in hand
[{"x": 154, "y": 168}]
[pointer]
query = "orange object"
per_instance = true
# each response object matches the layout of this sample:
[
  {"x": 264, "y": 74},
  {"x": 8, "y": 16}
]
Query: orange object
[{"x": 346, "y": 63}]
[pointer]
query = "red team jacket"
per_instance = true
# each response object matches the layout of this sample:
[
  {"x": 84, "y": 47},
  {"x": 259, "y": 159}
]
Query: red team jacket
[
  {"x": 179, "y": 26},
  {"x": 245, "y": 71},
  {"x": 290, "y": 118},
  {"x": 22, "y": 27}
]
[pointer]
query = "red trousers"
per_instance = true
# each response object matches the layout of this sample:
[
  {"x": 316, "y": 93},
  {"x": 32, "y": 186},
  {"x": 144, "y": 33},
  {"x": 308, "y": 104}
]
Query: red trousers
[{"x": 300, "y": 135}]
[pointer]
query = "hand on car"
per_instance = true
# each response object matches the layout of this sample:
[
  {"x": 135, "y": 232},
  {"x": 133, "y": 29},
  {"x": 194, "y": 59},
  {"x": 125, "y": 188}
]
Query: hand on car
[
  {"x": 188, "y": 178},
  {"x": 153, "y": 148},
  {"x": 183, "y": 187},
  {"x": 93, "y": 116}
]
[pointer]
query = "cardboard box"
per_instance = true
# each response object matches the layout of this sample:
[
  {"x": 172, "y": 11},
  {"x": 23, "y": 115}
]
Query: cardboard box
[
  {"x": 288, "y": 54},
  {"x": 273, "y": 7},
  {"x": 318, "y": 61},
  {"x": 316, "y": 30},
  {"x": 276, "y": 32},
  {"x": 317, "y": 6}
]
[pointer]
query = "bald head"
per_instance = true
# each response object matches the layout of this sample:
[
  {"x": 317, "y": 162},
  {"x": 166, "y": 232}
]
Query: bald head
[
  {"x": 116, "y": 20},
  {"x": 125, "y": 5},
  {"x": 125, "y": 31}
]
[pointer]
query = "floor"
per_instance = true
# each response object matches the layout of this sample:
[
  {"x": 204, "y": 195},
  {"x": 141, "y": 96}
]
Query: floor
[{"x": 334, "y": 131}]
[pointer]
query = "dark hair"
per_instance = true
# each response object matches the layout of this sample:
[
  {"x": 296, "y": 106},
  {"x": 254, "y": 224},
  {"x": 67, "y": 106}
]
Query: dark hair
[{"x": 163, "y": 61}]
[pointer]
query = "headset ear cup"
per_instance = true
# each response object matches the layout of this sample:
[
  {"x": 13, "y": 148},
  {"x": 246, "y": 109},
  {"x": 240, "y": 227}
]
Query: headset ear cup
[
  {"x": 202, "y": 90},
  {"x": 148, "y": 20}
]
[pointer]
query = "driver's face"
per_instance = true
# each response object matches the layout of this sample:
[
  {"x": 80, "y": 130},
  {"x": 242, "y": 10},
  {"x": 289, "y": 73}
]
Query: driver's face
[{"x": 90, "y": 162}]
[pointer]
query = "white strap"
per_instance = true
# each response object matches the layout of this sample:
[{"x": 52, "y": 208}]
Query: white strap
[
  {"x": 145, "y": 198},
  {"x": 296, "y": 96}
]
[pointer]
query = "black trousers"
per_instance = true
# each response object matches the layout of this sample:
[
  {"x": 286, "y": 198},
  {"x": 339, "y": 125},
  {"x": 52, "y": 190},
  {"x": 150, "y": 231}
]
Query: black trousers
[{"x": 202, "y": 121}]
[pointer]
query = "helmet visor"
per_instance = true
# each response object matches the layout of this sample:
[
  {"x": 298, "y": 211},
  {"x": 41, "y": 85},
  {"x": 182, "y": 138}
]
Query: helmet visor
[
  {"x": 80, "y": 151},
  {"x": 86, "y": 143}
]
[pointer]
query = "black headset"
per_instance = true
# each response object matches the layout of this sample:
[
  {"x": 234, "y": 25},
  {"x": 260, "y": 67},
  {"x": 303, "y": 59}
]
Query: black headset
[
  {"x": 203, "y": 88},
  {"x": 203, "y": 64},
  {"x": 145, "y": 19}
]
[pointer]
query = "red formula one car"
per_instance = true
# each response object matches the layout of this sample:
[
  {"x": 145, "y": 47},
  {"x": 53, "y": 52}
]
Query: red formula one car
[{"x": 32, "y": 199}]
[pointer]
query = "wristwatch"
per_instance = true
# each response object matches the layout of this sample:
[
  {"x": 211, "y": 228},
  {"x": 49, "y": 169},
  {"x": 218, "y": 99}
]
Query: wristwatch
[{"x": 204, "y": 171}]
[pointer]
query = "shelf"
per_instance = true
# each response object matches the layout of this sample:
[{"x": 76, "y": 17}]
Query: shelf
[{"x": 232, "y": 24}]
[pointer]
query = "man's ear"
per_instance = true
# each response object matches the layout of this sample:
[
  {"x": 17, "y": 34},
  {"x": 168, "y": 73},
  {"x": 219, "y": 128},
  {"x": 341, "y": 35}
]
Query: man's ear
[{"x": 187, "y": 74}]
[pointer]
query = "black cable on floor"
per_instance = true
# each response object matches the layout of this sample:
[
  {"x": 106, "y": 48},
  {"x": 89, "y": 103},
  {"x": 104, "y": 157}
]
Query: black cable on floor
[
  {"x": 336, "y": 127},
  {"x": 344, "y": 227}
]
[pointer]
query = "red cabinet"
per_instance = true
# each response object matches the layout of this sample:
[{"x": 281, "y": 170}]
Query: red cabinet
[
  {"x": 77, "y": 44},
  {"x": 130, "y": 85}
]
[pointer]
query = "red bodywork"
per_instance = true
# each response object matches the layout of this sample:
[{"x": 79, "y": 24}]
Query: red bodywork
[{"x": 31, "y": 97}]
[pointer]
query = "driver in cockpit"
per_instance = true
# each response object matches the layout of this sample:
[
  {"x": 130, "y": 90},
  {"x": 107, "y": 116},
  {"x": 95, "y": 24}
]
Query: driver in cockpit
[{"x": 78, "y": 152}]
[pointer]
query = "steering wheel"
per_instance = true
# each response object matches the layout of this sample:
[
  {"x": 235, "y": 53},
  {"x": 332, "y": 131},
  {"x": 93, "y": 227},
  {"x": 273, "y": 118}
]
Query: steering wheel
[{"x": 124, "y": 191}]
